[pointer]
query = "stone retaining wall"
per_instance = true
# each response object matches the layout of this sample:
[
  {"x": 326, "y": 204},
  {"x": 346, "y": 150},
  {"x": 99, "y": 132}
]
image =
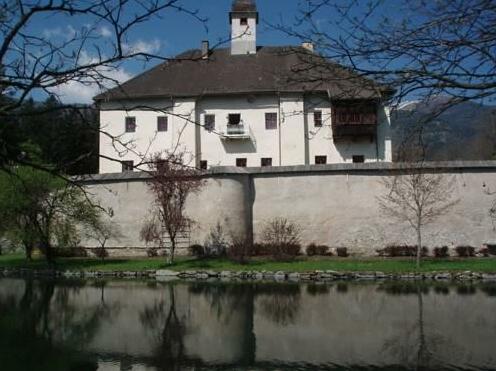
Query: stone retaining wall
[{"x": 279, "y": 276}]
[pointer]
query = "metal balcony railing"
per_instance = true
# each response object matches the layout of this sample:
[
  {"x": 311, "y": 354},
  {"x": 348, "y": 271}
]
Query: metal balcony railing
[{"x": 239, "y": 131}]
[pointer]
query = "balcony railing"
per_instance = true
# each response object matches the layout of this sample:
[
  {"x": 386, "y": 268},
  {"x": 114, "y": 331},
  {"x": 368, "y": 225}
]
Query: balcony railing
[
  {"x": 354, "y": 121},
  {"x": 239, "y": 131}
]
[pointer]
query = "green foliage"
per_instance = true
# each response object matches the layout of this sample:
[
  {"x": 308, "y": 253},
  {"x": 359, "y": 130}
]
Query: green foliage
[
  {"x": 65, "y": 136},
  {"x": 39, "y": 209},
  {"x": 300, "y": 264}
]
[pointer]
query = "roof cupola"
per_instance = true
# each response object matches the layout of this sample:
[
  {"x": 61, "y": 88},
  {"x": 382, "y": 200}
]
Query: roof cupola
[{"x": 244, "y": 20}]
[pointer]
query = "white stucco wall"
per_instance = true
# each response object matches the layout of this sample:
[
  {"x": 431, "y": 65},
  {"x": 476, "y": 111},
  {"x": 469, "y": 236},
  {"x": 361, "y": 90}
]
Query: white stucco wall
[
  {"x": 243, "y": 37},
  {"x": 286, "y": 145},
  {"x": 334, "y": 205},
  {"x": 223, "y": 152},
  {"x": 118, "y": 145}
]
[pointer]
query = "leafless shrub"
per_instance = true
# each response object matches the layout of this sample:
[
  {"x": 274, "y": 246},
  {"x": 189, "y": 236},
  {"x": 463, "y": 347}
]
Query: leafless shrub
[
  {"x": 342, "y": 252},
  {"x": 240, "y": 249},
  {"x": 321, "y": 250},
  {"x": 441, "y": 252},
  {"x": 465, "y": 251},
  {"x": 401, "y": 250},
  {"x": 282, "y": 238},
  {"x": 216, "y": 244}
]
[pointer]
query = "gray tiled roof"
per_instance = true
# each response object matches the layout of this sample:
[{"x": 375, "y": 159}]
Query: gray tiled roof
[
  {"x": 271, "y": 69},
  {"x": 244, "y": 6}
]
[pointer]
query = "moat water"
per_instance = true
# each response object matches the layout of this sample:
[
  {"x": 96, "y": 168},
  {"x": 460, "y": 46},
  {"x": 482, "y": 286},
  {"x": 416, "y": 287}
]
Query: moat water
[{"x": 83, "y": 325}]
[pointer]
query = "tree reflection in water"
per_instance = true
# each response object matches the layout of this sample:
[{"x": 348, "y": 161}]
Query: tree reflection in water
[
  {"x": 169, "y": 330},
  {"x": 280, "y": 303},
  {"x": 73, "y": 325},
  {"x": 45, "y": 331},
  {"x": 415, "y": 346}
]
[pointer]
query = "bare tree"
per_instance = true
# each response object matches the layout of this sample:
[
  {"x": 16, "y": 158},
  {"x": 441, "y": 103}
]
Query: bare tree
[
  {"x": 171, "y": 182},
  {"x": 102, "y": 230},
  {"x": 417, "y": 197},
  {"x": 90, "y": 55},
  {"x": 419, "y": 49},
  {"x": 424, "y": 47}
]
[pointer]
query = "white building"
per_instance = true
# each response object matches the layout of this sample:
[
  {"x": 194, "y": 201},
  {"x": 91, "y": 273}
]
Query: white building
[{"x": 245, "y": 106}]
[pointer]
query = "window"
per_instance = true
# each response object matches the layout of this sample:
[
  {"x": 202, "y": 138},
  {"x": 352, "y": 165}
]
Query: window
[
  {"x": 270, "y": 121},
  {"x": 317, "y": 118},
  {"x": 203, "y": 165},
  {"x": 127, "y": 166},
  {"x": 266, "y": 161},
  {"x": 130, "y": 124},
  {"x": 244, "y": 21},
  {"x": 358, "y": 159},
  {"x": 162, "y": 123},
  {"x": 234, "y": 119},
  {"x": 209, "y": 123},
  {"x": 241, "y": 162},
  {"x": 320, "y": 160}
]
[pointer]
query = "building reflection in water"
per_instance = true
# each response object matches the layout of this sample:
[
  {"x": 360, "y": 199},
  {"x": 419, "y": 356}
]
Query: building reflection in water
[{"x": 129, "y": 325}]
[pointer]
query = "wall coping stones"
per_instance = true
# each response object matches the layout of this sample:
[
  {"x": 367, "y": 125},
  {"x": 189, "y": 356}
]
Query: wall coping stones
[
  {"x": 280, "y": 276},
  {"x": 301, "y": 170}
]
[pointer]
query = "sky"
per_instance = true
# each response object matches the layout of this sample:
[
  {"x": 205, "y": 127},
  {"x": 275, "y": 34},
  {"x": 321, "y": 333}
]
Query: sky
[
  {"x": 168, "y": 36},
  {"x": 175, "y": 32}
]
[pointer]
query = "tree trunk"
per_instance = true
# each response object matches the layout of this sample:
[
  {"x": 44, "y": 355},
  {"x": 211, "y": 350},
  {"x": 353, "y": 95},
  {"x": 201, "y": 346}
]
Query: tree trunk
[
  {"x": 45, "y": 246},
  {"x": 419, "y": 245},
  {"x": 172, "y": 251},
  {"x": 28, "y": 247}
]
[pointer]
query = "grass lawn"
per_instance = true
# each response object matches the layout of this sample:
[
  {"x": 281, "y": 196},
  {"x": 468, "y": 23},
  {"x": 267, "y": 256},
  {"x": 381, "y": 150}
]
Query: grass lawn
[{"x": 387, "y": 265}]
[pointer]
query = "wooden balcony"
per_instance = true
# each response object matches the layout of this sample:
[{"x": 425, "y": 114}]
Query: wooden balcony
[{"x": 353, "y": 120}]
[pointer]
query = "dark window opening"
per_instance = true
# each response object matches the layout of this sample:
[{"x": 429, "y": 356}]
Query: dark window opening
[
  {"x": 244, "y": 21},
  {"x": 203, "y": 165},
  {"x": 130, "y": 124},
  {"x": 234, "y": 119},
  {"x": 352, "y": 114},
  {"x": 241, "y": 162},
  {"x": 270, "y": 121},
  {"x": 358, "y": 159},
  {"x": 127, "y": 166},
  {"x": 317, "y": 118},
  {"x": 267, "y": 161},
  {"x": 209, "y": 122},
  {"x": 320, "y": 160},
  {"x": 162, "y": 123}
]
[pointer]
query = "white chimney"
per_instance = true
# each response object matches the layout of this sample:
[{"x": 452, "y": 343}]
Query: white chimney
[
  {"x": 308, "y": 46},
  {"x": 205, "y": 49}
]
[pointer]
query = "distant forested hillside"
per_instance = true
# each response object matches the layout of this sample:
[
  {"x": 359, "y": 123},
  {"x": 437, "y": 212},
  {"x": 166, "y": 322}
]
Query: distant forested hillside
[
  {"x": 65, "y": 137},
  {"x": 465, "y": 131}
]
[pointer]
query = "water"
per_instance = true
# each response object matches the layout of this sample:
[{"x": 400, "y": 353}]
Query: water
[{"x": 132, "y": 325}]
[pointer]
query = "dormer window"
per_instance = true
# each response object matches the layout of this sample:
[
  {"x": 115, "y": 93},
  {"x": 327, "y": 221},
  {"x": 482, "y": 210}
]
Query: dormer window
[
  {"x": 234, "y": 119},
  {"x": 243, "y": 21}
]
